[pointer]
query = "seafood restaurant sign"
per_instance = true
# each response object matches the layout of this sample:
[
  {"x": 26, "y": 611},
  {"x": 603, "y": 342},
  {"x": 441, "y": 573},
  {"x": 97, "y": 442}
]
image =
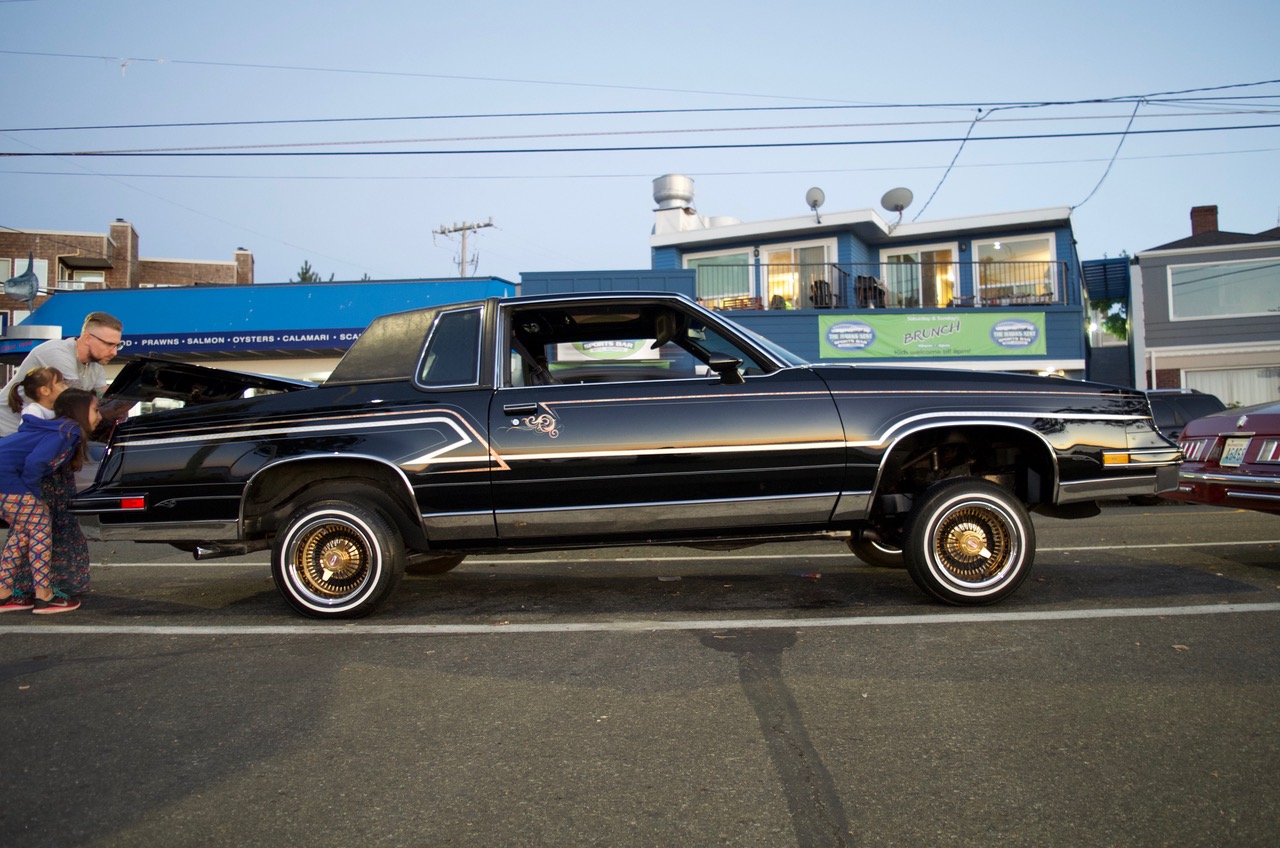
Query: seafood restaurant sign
[
  {"x": 141, "y": 345},
  {"x": 964, "y": 334}
]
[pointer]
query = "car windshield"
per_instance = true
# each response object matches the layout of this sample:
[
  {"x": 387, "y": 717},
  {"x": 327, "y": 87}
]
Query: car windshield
[{"x": 780, "y": 352}]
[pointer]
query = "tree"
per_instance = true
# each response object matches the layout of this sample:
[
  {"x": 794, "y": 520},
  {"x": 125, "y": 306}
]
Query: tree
[
  {"x": 307, "y": 274},
  {"x": 1115, "y": 317}
]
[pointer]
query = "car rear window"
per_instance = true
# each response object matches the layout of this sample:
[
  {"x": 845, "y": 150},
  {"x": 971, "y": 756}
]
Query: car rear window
[
  {"x": 1198, "y": 406},
  {"x": 452, "y": 357}
]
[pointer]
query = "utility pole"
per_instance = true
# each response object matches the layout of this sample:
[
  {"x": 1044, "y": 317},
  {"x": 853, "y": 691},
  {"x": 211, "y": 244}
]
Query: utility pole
[{"x": 464, "y": 228}]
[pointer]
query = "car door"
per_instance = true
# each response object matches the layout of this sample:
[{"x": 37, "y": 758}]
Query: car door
[{"x": 631, "y": 435}]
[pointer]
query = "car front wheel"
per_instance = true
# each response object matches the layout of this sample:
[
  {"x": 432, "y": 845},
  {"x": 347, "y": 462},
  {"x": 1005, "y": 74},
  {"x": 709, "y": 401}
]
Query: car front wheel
[
  {"x": 337, "y": 559},
  {"x": 969, "y": 541}
]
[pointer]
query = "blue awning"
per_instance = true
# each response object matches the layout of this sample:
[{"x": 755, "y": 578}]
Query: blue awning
[
  {"x": 1106, "y": 279},
  {"x": 225, "y": 320}
]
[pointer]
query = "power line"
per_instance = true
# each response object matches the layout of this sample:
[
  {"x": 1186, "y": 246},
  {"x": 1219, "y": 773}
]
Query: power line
[
  {"x": 88, "y": 171},
  {"x": 169, "y": 153},
  {"x": 1119, "y": 144},
  {"x": 682, "y": 131},
  {"x": 124, "y": 61},
  {"x": 626, "y": 113},
  {"x": 976, "y": 118},
  {"x": 628, "y": 176}
]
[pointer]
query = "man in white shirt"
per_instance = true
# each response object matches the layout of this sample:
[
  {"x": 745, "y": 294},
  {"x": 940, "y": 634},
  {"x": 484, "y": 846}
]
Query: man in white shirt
[{"x": 79, "y": 359}]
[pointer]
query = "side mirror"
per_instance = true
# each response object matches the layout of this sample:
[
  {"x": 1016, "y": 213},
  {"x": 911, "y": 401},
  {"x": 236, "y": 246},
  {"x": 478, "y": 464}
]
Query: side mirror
[{"x": 727, "y": 367}]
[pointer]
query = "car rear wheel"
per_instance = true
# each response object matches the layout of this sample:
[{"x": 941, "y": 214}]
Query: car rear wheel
[
  {"x": 337, "y": 559},
  {"x": 969, "y": 541}
]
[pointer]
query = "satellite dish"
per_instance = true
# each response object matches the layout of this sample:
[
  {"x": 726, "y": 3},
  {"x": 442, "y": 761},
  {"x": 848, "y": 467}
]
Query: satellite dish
[
  {"x": 896, "y": 199},
  {"x": 815, "y": 198}
]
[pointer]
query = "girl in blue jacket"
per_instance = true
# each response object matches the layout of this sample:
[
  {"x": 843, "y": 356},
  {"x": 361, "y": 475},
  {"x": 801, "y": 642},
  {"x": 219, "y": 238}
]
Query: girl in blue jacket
[{"x": 38, "y": 449}]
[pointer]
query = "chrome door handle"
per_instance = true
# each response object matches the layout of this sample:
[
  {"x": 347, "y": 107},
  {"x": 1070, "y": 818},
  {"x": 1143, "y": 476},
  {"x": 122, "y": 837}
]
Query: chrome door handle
[{"x": 520, "y": 409}]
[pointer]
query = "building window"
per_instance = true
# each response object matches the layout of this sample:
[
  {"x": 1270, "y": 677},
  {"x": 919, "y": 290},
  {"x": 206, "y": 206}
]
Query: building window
[
  {"x": 81, "y": 280},
  {"x": 722, "y": 276},
  {"x": 17, "y": 266},
  {"x": 1224, "y": 289},
  {"x": 1016, "y": 270},
  {"x": 920, "y": 276},
  {"x": 790, "y": 274},
  {"x": 782, "y": 277}
]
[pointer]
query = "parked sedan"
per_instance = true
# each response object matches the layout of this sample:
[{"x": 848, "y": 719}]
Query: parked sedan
[
  {"x": 1232, "y": 459},
  {"x": 1171, "y": 409},
  {"x": 610, "y": 419}
]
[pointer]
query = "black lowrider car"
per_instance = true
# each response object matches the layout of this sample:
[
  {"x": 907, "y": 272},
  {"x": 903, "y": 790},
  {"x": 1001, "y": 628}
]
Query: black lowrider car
[{"x": 608, "y": 419}]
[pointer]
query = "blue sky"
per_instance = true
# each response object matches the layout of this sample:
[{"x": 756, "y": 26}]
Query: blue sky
[{"x": 909, "y": 72}]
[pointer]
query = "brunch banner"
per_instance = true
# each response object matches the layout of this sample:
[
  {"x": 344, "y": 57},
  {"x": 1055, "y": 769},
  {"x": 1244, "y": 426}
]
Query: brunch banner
[{"x": 959, "y": 333}]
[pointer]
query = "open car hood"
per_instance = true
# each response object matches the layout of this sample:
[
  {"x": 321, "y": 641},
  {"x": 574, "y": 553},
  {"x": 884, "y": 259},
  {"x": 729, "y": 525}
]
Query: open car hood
[{"x": 176, "y": 384}]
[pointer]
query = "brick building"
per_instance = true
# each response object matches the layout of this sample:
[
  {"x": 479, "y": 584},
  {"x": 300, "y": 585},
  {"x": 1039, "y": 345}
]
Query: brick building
[{"x": 67, "y": 261}]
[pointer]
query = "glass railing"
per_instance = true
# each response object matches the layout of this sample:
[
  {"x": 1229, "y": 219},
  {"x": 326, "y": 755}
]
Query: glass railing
[{"x": 893, "y": 285}]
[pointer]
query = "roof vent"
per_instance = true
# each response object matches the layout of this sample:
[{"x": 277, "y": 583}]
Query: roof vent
[{"x": 673, "y": 191}]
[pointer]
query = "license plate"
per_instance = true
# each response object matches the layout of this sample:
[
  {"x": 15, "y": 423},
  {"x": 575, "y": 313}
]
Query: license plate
[{"x": 1233, "y": 451}]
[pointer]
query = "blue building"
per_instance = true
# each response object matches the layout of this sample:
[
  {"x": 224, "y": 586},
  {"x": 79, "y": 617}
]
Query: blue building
[
  {"x": 992, "y": 292},
  {"x": 297, "y": 330}
]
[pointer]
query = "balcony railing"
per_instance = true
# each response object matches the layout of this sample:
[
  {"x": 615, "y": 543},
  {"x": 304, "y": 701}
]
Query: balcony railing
[{"x": 891, "y": 285}]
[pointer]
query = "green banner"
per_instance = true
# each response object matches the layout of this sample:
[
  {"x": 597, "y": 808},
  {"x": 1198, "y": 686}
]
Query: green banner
[{"x": 956, "y": 333}]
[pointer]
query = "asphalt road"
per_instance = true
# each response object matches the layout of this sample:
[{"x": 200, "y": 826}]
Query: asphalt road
[{"x": 774, "y": 696}]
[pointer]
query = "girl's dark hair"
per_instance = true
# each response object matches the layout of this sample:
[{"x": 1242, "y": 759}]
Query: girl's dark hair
[
  {"x": 37, "y": 378},
  {"x": 74, "y": 405}
]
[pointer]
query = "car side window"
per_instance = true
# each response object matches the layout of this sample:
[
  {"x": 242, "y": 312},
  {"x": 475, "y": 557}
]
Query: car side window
[
  {"x": 452, "y": 355},
  {"x": 608, "y": 343}
]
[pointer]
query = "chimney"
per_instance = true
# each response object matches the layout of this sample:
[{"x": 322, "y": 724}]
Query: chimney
[
  {"x": 1204, "y": 219},
  {"x": 125, "y": 255},
  {"x": 244, "y": 267}
]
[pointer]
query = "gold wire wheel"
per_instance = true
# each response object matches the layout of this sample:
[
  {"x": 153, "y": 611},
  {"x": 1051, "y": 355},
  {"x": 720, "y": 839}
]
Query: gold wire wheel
[
  {"x": 973, "y": 544},
  {"x": 331, "y": 559}
]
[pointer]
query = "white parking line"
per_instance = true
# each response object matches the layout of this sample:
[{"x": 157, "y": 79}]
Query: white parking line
[{"x": 362, "y": 629}]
